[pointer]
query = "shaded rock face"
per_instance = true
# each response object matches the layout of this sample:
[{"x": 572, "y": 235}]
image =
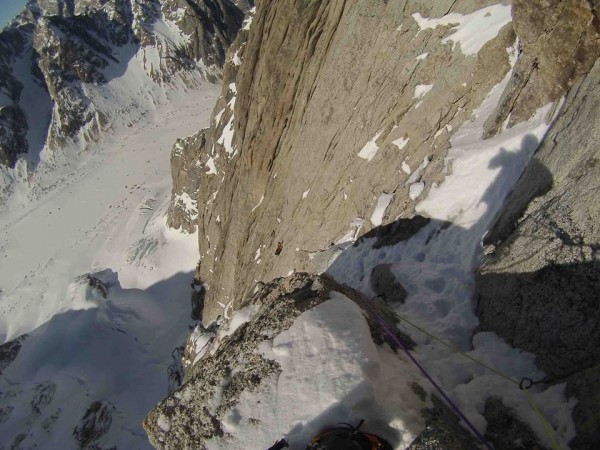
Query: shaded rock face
[
  {"x": 13, "y": 125},
  {"x": 538, "y": 287},
  {"x": 94, "y": 424},
  {"x": 13, "y": 134},
  {"x": 504, "y": 430},
  {"x": 442, "y": 431},
  {"x": 64, "y": 50},
  {"x": 386, "y": 286},
  {"x": 9, "y": 351}
]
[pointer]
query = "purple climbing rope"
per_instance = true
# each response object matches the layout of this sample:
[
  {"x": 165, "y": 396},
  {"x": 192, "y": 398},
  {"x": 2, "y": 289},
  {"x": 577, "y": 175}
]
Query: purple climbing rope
[{"x": 449, "y": 401}]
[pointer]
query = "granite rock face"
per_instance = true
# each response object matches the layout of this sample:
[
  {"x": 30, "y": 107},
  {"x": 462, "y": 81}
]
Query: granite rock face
[
  {"x": 538, "y": 287},
  {"x": 559, "y": 43},
  {"x": 280, "y": 162}
]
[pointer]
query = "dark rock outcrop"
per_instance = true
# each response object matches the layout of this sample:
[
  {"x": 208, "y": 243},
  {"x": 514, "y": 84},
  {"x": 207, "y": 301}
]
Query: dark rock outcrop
[
  {"x": 442, "y": 431},
  {"x": 9, "y": 351},
  {"x": 13, "y": 134},
  {"x": 386, "y": 286},
  {"x": 94, "y": 424},
  {"x": 505, "y": 431}
]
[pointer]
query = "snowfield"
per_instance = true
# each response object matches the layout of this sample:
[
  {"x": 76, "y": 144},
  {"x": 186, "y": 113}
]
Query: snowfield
[{"x": 109, "y": 339}]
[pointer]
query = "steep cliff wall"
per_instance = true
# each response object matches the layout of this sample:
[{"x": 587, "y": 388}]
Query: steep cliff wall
[
  {"x": 340, "y": 103},
  {"x": 333, "y": 105},
  {"x": 336, "y": 118}
]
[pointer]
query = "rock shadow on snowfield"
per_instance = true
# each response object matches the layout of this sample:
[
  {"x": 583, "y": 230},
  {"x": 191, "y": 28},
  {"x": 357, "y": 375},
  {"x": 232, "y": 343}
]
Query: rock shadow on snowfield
[
  {"x": 416, "y": 245},
  {"x": 553, "y": 313},
  {"x": 90, "y": 375}
]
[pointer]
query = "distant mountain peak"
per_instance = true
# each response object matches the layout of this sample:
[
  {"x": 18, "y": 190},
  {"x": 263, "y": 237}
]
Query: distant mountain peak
[{"x": 70, "y": 69}]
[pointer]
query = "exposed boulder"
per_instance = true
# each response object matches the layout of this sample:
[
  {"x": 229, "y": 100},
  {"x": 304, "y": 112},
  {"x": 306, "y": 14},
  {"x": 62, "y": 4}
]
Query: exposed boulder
[
  {"x": 386, "y": 286},
  {"x": 9, "y": 351},
  {"x": 94, "y": 424},
  {"x": 186, "y": 171},
  {"x": 442, "y": 430},
  {"x": 13, "y": 134},
  {"x": 505, "y": 431}
]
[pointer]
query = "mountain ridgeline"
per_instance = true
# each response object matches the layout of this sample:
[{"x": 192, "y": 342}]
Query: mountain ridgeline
[
  {"x": 61, "y": 64},
  {"x": 330, "y": 109}
]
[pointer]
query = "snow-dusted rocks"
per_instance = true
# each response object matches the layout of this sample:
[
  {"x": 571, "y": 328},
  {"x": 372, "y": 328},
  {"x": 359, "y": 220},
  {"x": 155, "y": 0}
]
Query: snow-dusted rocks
[
  {"x": 538, "y": 287},
  {"x": 69, "y": 70},
  {"x": 300, "y": 355}
]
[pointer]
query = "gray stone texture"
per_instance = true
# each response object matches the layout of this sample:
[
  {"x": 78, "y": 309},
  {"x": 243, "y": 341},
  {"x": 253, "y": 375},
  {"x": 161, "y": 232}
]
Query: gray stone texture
[
  {"x": 538, "y": 287},
  {"x": 559, "y": 43},
  {"x": 317, "y": 81}
]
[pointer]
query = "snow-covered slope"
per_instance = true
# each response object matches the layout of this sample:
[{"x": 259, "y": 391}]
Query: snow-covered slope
[
  {"x": 100, "y": 287},
  {"x": 70, "y": 74}
]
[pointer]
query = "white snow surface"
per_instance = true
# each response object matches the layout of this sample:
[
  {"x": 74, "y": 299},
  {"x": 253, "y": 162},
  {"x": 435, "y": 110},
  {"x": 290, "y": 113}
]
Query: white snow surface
[
  {"x": 406, "y": 167},
  {"x": 382, "y": 204},
  {"x": 248, "y": 20},
  {"x": 107, "y": 218},
  {"x": 471, "y": 31},
  {"x": 226, "y": 139},
  {"x": 331, "y": 372},
  {"x": 416, "y": 189},
  {"x": 370, "y": 148},
  {"x": 262, "y": 198},
  {"x": 421, "y": 90},
  {"x": 436, "y": 266},
  {"x": 401, "y": 142}
]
